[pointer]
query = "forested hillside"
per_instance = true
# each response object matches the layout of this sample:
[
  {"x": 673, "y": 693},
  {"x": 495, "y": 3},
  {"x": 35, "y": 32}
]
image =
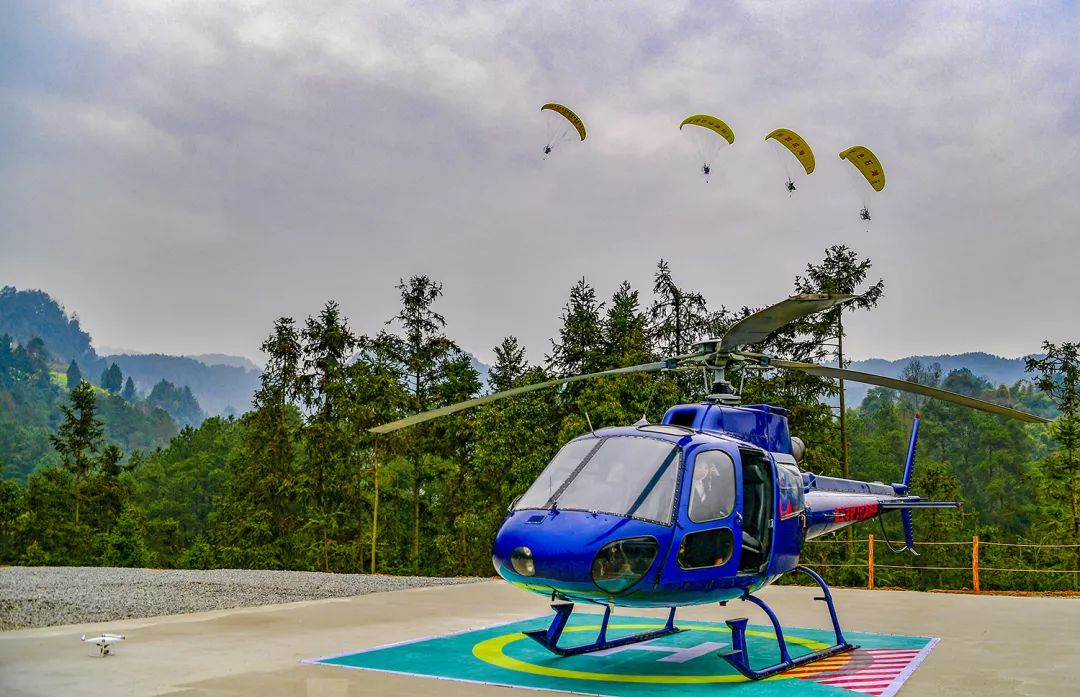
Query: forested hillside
[
  {"x": 33, "y": 393},
  {"x": 223, "y": 387},
  {"x": 298, "y": 482},
  {"x": 994, "y": 369}
]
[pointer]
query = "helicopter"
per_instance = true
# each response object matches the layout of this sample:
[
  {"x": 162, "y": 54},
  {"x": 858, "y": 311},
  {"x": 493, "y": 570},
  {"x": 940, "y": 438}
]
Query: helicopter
[{"x": 707, "y": 506}]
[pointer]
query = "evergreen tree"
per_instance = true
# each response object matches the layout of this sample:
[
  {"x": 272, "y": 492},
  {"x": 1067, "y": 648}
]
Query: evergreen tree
[
  {"x": 1059, "y": 377},
  {"x": 129, "y": 390},
  {"x": 579, "y": 348},
  {"x": 112, "y": 379},
  {"x": 510, "y": 364},
  {"x": 263, "y": 488},
  {"x": 79, "y": 438},
  {"x": 325, "y": 393},
  {"x": 179, "y": 403},
  {"x": 74, "y": 375},
  {"x": 842, "y": 271},
  {"x": 678, "y": 317},
  {"x": 435, "y": 372}
]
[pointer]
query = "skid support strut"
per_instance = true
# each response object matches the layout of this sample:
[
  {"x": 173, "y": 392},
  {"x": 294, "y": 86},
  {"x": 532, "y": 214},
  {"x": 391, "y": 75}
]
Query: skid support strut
[
  {"x": 549, "y": 638},
  {"x": 739, "y": 656}
]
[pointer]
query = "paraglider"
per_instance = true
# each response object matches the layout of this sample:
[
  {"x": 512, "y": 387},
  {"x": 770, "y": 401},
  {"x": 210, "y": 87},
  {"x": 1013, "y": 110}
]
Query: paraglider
[
  {"x": 798, "y": 148},
  {"x": 562, "y": 124},
  {"x": 710, "y": 135},
  {"x": 866, "y": 164}
]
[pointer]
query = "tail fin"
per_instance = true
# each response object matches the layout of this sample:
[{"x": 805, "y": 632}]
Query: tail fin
[{"x": 909, "y": 470}]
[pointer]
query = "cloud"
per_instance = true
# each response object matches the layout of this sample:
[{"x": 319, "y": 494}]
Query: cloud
[{"x": 249, "y": 160}]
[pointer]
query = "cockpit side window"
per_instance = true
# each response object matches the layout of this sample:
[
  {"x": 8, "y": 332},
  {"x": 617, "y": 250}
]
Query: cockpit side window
[{"x": 712, "y": 488}]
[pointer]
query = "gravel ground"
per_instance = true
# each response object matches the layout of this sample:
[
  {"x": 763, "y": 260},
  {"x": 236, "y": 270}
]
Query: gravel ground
[{"x": 53, "y": 595}]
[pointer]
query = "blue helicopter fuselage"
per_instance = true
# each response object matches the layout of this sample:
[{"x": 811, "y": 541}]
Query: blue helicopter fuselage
[{"x": 622, "y": 516}]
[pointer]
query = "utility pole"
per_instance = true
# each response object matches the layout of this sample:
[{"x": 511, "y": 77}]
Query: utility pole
[{"x": 843, "y": 405}]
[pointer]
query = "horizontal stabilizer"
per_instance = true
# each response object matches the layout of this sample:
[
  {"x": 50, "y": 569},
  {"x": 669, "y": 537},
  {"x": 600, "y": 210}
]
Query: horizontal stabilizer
[{"x": 902, "y": 504}]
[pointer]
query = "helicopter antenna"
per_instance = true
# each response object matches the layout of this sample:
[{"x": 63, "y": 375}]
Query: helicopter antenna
[
  {"x": 892, "y": 548},
  {"x": 589, "y": 421}
]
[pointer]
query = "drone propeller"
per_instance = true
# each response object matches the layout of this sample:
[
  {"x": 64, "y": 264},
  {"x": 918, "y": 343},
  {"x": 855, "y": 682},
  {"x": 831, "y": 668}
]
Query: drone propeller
[{"x": 905, "y": 386}]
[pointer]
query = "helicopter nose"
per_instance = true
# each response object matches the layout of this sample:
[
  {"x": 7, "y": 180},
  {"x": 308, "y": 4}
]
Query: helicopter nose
[
  {"x": 574, "y": 552},
  {"x": 542, "y": 547}
]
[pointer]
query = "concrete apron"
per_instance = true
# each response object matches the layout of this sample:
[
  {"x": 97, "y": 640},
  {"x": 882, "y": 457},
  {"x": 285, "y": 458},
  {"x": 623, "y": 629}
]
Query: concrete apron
[{"x": 991, "y": 645}]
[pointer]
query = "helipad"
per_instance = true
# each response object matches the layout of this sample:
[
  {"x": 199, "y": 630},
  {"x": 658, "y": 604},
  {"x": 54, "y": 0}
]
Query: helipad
[
  {"x": 989, "y": 646},
  {"x": 684, "y": 664}
]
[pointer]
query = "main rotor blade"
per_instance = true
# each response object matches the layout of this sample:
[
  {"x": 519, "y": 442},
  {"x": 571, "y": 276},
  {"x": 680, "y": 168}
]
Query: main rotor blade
[
  {"x": 905, "y": 386},
  {"x": 470, "y": 403},
  {"x": 752, "y": 329}
]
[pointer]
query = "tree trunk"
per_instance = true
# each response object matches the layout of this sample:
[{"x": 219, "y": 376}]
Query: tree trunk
[
  {"x": 416, "y": 519},
  {"x": 375, "y": 514}
]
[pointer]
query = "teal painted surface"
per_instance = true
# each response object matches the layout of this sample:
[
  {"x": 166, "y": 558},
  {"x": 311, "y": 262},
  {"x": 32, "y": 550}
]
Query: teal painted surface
[{"x": 685, "y": 664}]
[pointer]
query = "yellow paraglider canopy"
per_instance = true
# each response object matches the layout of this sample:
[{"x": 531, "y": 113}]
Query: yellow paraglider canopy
[
  {"x": 568, "y": 115},
  {"x": 712, "y": 123},
  {"x": 796, "y": 145},
  {"x": 867, "y": 163}
]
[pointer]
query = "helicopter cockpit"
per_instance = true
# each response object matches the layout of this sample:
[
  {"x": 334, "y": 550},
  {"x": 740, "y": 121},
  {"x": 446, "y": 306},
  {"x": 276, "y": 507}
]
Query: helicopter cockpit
[{"x": 627, "y": 476}]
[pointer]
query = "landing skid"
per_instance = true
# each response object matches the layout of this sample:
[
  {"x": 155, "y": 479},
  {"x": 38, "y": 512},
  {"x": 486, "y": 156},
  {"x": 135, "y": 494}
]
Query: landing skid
[
  {"x": 549, "y": 638},
  {"x": 739, "y": 657}
]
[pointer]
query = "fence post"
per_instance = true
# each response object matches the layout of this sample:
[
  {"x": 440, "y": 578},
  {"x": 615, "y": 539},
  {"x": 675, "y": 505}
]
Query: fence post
[
  {"x": 870, "y": 563},
  {"x": 975, "y": 562}
]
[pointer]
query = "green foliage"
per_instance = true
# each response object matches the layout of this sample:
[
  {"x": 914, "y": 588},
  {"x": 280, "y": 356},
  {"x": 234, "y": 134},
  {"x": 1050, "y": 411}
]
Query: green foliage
[
  {"x": 125, "y": 544},
  {"x": 177, "y": 402},
  {"x": 29, "y": 314},
  {"x": 112, "y": 380},
  {"x": 221, "y": 389},
  {"x": 298, "y": 482},
  {"x": 74, "y": 375},
  {"x": 129, "y": 391}
]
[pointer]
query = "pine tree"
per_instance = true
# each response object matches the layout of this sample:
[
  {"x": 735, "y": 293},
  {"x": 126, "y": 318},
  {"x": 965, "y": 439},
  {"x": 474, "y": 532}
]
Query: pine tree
[
  {"x": 678, "y": 317},
  {"x": 74, "y": 375},
  {"x": 328, "y": 344},
  {"x": 112, "y": 379},
  {"x": 129, "y": 390},
  {"x": 263, "y": 488},
  {"x": 435, "y": 372},
  {"x": 1059, "y": 377},
  {"x": 579, "y": 348},
  {"x": 510, "y": 365},
  {"x": 842, "y": 271},
  {"x": 80, "y": 437}
]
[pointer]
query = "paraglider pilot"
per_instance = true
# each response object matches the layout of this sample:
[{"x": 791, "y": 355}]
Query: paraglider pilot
[
  {"x": 865, "y": 213},
  {"x": 790, "y": 185}
]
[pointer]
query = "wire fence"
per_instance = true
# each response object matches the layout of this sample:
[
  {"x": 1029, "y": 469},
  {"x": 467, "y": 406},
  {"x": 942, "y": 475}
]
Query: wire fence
[{"x": 958, "y": 565}]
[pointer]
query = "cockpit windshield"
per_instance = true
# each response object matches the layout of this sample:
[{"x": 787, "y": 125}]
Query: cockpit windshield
[{"x": 625, "y": 475}]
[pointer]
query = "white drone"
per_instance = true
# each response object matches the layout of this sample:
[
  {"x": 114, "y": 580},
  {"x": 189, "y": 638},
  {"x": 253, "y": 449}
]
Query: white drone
[{"x": 102, "y": 641}]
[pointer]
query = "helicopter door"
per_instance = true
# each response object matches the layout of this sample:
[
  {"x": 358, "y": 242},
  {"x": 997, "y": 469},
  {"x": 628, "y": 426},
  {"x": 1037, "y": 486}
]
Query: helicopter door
[
  {"x": 710, "y": 526},
  {"x": 756, "y": 510}
]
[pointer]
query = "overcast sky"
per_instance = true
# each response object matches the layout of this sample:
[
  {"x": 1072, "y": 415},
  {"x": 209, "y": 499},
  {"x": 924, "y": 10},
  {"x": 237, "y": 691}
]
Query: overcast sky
[{"x": 182, "y": 173}]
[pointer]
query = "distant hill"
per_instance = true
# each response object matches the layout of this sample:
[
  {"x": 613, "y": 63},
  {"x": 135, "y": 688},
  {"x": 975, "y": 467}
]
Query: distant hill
[
  {"x": 482, "y": 369},
  {"x": 221, "y": 389},
  {"x": 995, "y": 369},
  {"x": 212, "y": 359},
  {"x": 26, "y": 314},
  {"x": 222, "y": 384}
]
